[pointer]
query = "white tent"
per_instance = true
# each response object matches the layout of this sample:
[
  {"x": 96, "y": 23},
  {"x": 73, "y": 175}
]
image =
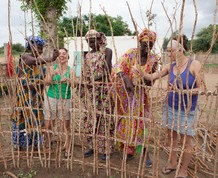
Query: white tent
[{"x": 78, "y": 45}]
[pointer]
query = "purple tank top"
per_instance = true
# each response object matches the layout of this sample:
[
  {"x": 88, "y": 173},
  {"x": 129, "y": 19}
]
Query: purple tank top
[{"x": 175, "y": 96}]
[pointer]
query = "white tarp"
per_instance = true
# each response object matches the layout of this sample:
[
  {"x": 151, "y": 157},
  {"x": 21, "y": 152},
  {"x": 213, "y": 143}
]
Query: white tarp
[{"x": 119, "y": 45}]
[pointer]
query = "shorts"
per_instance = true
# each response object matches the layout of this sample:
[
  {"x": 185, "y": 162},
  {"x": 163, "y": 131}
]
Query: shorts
[
  {"x": 183, "y": 124},
  {"x": 58, "y": 108}
]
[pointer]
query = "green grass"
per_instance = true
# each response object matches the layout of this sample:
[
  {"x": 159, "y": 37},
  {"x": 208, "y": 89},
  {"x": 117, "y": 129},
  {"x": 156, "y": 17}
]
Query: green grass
[
  {"x": 210, "y": 65},
  {"x": 21, "y": 174}
]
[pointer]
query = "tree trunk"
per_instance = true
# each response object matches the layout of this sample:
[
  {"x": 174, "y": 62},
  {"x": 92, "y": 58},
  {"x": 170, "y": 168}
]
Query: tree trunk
[{"x": 50, "y": 29}]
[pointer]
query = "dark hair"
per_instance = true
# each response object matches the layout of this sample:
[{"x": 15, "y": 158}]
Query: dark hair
[
  {"x": 183, "y": 40},
  {"x": 66, "y": 51}
]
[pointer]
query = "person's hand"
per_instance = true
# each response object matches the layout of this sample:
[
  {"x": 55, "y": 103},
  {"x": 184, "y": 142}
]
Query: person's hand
[
  {"x": 64, "y": 79},
  {"x": 128, "y": 84},
  {"x": 167, "y": 89},
  {"x": 55, "y": 72},
  {"x": 55, "y": 54},
  {"x": 99, "y": 77},
  {"x": 136, "y": 69}
]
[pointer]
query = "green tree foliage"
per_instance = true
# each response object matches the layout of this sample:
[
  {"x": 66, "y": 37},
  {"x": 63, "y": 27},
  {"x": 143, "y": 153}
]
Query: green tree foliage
[
  {"x": 17, "y": 48},
  {"x": 98, "y": 22},
  {"x": 175, "y": 36},
  {"x": 47, "y": 13},
  {"x": 165, "y": 42},
  {"x": 65, "y": 28},
  {"x": 1, "y": 50},
  {"x": 44, "y": 5},
  {"x": 203, "y": 40}
]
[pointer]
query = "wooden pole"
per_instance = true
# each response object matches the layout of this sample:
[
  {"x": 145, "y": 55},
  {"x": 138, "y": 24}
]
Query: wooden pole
[{"x": 5, "y": 52}]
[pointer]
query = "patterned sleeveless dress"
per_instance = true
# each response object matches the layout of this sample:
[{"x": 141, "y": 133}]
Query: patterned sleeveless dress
[{"x": 98, "y": 123}]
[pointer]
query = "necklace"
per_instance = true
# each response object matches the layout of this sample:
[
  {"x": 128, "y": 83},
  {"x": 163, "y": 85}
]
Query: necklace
[{"x": 183, "y": 64}]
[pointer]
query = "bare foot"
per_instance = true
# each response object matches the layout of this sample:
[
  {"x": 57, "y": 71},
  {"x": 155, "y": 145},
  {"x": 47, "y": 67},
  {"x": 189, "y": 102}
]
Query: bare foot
[
  {"x": 182, "y": 175},
  {"x": 168, "y": 169}
]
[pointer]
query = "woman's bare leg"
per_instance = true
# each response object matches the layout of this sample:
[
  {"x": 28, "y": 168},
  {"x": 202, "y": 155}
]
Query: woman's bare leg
[
  {"x": 172, "y": 162},
  {"x": 186, "y": 156},
  {"x": 48, "y": 127},
  {"x": 67, "y": 131}
]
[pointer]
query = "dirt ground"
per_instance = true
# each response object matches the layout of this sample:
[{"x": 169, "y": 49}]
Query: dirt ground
[
  {"x": 86, "y": 171},
  {"x": 82, "y": 168},
  {"x": 211, "y": 81}
]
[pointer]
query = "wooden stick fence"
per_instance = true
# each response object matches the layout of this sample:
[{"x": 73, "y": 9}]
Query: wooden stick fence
[
  {"x": 204, "y": 161},
  {"x": 205, "y": 151}
]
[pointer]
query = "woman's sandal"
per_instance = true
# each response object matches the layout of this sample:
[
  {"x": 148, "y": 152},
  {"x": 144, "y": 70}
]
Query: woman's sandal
[{"x": 166, "y": 170}]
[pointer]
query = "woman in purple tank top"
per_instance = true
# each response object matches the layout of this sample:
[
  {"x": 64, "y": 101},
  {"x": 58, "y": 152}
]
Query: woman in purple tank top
[{"x": 180, "y": 112}]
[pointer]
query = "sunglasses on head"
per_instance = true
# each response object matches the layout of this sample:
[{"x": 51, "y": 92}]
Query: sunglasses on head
[{"x": 170, "y": 50}]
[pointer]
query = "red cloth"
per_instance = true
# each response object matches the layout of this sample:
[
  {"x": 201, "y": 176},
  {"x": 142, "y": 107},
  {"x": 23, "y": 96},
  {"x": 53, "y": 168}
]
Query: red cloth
[{"x": 10, "y": 67}]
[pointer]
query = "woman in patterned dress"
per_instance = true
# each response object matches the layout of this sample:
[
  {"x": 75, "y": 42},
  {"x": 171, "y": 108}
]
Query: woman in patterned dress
[
  {"x": 27, "y": 117},
  {"x": 131, "y": 95},
  {"x": 96, "y": 74}
]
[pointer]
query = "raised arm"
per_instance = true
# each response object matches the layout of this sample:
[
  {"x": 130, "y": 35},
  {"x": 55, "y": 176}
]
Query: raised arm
[
  {"x": 156, "y": 75},
  {"x": 32, "y": 60}
]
